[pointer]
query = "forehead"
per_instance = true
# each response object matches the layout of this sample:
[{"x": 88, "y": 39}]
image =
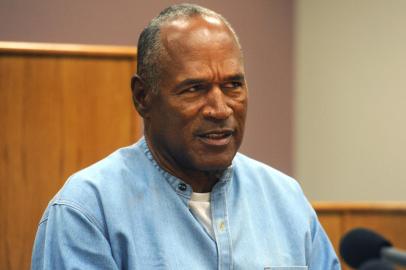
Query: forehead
[
  {"x": 195, "y": 32},
  {"x": 198, "y": 43}
]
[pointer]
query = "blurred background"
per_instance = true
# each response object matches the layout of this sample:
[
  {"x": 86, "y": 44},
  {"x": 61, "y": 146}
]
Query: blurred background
[
  {"x": 327, "y": 101},
  {"x": 327, "y": 80}
]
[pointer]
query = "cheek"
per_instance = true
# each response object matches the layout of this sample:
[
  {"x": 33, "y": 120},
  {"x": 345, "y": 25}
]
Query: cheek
[
  {"x": 176, "y": 123},
  {"x": 187, "y": 112},
  {"x": 240, "y": 109}
]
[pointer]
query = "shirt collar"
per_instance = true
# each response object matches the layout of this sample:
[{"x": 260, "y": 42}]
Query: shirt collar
[{"x": 181, "y": 187}]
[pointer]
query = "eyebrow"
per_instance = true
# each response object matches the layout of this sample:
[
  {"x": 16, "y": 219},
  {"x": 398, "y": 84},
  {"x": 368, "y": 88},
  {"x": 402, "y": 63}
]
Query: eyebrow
[{"x": 237, "y": 77}]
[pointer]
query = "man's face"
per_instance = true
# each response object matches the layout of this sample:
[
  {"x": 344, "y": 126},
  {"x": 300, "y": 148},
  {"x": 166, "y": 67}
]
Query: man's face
[{"x": 196, "y": 121}]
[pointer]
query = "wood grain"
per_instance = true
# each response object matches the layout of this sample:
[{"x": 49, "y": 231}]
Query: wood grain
[
  {"x": 59, "y": 112},
  {"x": 386, "y": 206},
  {"x": 385, "y": 218},
  {"x": 67, "y": 49}
]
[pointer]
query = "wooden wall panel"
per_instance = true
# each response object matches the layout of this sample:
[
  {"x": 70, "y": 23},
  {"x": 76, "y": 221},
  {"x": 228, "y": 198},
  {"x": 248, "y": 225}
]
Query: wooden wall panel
[
  {"x": 387, "y": 219},
  {"x": 391, "y": 225},
  {"x": 332, "y": 224},
  {"x": 61, "y": 109}
]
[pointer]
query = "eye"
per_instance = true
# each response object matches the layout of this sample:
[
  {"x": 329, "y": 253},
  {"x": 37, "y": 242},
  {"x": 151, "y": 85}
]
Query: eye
[
  {"x": 231, "y": 85},
  {"x": 192, "y": 89},
  {"x": 195, "y": 88}
]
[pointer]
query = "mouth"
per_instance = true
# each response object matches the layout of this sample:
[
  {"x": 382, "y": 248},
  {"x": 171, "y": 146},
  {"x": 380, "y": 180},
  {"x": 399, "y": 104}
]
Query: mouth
[{"x": 218, "y": 137}]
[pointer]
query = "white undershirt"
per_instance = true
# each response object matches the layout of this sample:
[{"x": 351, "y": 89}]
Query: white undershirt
[{"x": 199, "y": 204}]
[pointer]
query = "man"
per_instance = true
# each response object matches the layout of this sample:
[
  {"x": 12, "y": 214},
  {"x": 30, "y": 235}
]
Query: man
[{"x": 182, "y": 197}]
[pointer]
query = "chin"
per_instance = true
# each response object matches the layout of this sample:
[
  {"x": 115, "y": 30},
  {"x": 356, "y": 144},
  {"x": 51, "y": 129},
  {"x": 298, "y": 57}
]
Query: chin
[{"x": 214, "y": 165}]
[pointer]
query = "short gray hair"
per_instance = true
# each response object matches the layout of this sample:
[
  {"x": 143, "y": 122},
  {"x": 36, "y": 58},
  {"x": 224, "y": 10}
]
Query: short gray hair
[{"x": 150, "y": 48}]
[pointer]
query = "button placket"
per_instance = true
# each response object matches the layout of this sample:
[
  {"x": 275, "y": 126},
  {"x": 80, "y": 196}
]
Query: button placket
[
  {"x": 219, "y": 214},
  {"x": 221, "y": 225}
]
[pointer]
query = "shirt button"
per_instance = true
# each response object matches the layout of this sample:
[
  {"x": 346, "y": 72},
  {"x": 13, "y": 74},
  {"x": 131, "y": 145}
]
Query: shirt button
[
  {"x": 182, "y": 186},
  {"x": 222, "y": 226}
]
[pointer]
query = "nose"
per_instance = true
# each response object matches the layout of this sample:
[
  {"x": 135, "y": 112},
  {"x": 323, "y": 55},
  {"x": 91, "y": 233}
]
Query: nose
[{"x": 216, "y": 107}]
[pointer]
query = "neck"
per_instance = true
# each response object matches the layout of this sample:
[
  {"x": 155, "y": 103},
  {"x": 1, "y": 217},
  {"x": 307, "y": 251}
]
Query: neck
[
  {"x": 205, "y": 184},
  {"x": 200, "y": 181}
]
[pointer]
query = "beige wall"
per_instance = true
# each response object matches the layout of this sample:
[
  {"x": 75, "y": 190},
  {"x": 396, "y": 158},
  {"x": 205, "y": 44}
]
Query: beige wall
[
  {"x": 265, "y": 28},
  {"x": 350, "y": 102}
]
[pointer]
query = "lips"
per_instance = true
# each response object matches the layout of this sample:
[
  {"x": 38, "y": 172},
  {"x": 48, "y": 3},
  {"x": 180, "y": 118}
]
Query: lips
[{"x": 218, "y": 137}]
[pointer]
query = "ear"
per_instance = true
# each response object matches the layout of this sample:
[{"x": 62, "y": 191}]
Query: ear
[{"x": 139, "y": 92}]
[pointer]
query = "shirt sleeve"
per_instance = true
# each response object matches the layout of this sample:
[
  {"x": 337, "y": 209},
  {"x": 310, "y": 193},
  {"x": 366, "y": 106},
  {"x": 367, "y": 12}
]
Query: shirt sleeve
[
  {"x": 68, "y": 239},
  {"x": 323, "y": 256}
]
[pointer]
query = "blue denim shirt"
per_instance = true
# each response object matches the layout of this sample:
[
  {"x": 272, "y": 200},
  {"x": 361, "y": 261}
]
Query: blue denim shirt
[{"x": 125, "y": 212}]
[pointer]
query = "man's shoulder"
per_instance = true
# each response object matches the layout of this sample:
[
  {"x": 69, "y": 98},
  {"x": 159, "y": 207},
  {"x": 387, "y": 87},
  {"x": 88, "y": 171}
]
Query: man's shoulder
[
  {"x": 104, "y": 180},
  {"x": 271, "y": 187},
  {"x": 246, "y": 164},
  {"x": 262, "y": 174},
  {"x": 111, "y": 168}
]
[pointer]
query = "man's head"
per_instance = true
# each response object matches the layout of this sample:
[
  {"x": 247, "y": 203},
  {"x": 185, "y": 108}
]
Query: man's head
[
  {"x": 150, "y": 48},
  {"x": 191, "y": 91}
]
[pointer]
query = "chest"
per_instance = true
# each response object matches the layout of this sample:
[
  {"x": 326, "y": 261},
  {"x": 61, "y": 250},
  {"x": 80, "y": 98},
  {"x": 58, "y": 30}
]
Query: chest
[{"x": 164, "y": 234}]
